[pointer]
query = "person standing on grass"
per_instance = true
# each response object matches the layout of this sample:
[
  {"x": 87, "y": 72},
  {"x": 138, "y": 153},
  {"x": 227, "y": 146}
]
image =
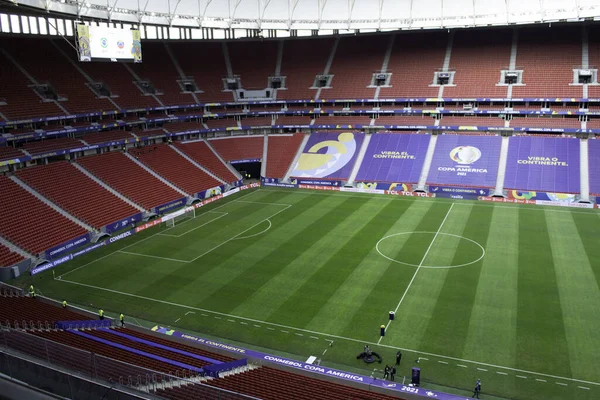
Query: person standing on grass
[
  {"x": 101, "y": 314},
  {"x": 386, "y": 372},
  {"x": 32, "y": 291},
  {"x": 122, "y": 319},
  {"x": 64, "y": 304},
  {"x": 477, "y": 389},
  {"x": 398, "y": 357},
  {"x": 393, "y": 372}
]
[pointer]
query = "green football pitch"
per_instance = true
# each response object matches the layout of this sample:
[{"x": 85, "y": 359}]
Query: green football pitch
[{"x": 505, "y": 293}]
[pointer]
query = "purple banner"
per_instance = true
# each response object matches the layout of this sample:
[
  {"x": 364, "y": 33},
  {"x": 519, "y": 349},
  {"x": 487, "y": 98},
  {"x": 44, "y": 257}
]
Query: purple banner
[
  {"x": 465, "y": 160},
  {"x": 457, "y": 192},
  {"x": 594, "y": 165},
  {"x": 394, "y": 158},
  {"x": 124, "y": 223},
  {"x": 328, "y": 155},
  {"x": 543, "y": 164},
  {"x": 67, "y": 246},
  {"x": 207, "y": 194},
  {"x": 315, "y": 182},
  {"x": 321, "y": 370},
  {"x": 169, "y": 206}
]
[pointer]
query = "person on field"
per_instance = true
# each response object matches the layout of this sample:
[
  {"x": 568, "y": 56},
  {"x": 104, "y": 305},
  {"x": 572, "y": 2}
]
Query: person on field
[
  {"x": 386, "y": 372},
  {"x": 398, "y": 357},
  {"x": 32, "y": 291},
  {"x": 122, "y": 319},
  {"x": 101, "y": 314},
  {"x": 477, "y": 389},
  {"x": 64, "y": 304},
  {"x": 392, "y": 372}
]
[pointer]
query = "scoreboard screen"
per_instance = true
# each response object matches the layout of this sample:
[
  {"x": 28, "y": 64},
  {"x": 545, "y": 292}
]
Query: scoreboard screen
[{"x": 101, "y": 43}]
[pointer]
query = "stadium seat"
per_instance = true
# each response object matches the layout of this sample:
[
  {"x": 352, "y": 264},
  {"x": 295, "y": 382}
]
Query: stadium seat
[
  {"x": 241, "y": 148},
  {"x": 203, "y": 155},
  {"x": 281, "y": 152}
]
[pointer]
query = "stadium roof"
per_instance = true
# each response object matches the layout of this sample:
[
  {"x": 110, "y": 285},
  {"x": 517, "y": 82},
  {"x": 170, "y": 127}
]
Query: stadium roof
[{"x": 342, "y": 15}]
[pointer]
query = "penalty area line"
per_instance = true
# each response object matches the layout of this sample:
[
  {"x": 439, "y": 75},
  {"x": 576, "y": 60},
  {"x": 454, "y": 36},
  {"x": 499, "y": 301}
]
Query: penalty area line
[{"x": 362, "y": 342}]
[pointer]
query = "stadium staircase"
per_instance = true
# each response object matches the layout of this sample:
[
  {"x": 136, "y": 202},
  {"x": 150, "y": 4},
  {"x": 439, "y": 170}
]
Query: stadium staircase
[
  {"x": 108, "y": 188},
  {"x": 327, "y": 68},
  {"x": 8, "y": 256},
  {"x": 178, "y": 69},
  {"x": 359, "y": 158},
  {"x": 130, "y": 179},
  {"x": 427, "y": 163},
  {"x": 50, "y": 203},
  {"x": 292, "y": 165},
  {"x": 265, "y": 153},
  {"x": 228, "y": 165},
  {"x": 584, "y": 171},
  {"x": 206, "y": 171},
  {"x": 499, "y": 190},
  {"x": 201, "y": 153},
  {"x": 66, "y": 186},
  {"x": 386, "y": 61},
  {"x": 446, "y": 64},
  {"x": 30, "y": 224},
  {"x": 167, "y": 164}
]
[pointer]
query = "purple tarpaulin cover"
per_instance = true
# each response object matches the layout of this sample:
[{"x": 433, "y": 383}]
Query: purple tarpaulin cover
[
  {"x": 544, "y": 164},
  {"x": 394, "y": 158},
  {"x": 465, "y": 160},
  {"x": 328, "y": 155},
  {"x": 594, "y": 165}
]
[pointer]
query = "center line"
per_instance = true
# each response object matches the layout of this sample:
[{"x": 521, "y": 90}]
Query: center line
[{"x": 418, "y": 268}]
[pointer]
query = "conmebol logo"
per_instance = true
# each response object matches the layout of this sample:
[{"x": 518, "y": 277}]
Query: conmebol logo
[{"x": 120, "y": 44}]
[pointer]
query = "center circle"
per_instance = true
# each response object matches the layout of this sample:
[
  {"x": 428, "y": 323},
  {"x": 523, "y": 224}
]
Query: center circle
[{"x": 434, "y": 237}]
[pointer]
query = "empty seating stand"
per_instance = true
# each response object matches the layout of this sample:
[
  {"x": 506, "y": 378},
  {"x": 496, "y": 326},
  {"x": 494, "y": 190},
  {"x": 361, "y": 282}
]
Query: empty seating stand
[
  {"x": 281, "y": 152},
  {"x": 255, "y": 74},
  {"x": 203, "y": 155},
  {"x": 239, "y": 148},
  {"x": 29, "y": 223},
  {"x": 110, "y": 136},
  {"x": 33, "y": 311},
  {"x": 51, "y": 145},
  {"x": 171, "y": 165},
  {"x": 129, "y": 179},
  {"x": 8, "y": 257},
  {"x": 79, "y": 195},
  {"x": 9, "y": 153}
]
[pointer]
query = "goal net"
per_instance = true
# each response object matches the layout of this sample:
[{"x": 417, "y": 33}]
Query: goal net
[{"x": 178, "y": 219}]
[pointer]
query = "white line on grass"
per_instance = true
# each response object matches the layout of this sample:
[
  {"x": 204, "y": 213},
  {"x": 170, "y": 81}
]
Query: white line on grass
[
  {"x": 473, "y": 203},
  {"x": 193, "y": 229},
  {"x": 256, "y": 234},
  {"x": 561, "y": 384},
  {"x": 462, "y": 366},
  {"x": 482, "y": 369},
  {"x": 362, "y": 342},
  {"x": 443, "y": 362},
  {"x": 521, "y": 376},
  {"x": 583, "y": 387},
  {"x": 144, "y": 239},
  {"x": 151, "y": 256},
  {"x": 418, "y": 268},
  {"x": 541, "y": 380},
  {"x": 501, "y": 373}
]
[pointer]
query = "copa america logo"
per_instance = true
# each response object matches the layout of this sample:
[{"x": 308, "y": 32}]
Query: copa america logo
[
  {"x": 465, "y": 154},
  {"x": 104, "y": 42}
]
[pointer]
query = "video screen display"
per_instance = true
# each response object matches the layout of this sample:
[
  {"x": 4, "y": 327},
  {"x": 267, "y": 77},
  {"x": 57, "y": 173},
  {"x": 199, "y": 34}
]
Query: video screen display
[{"x": 101, "y": 43}]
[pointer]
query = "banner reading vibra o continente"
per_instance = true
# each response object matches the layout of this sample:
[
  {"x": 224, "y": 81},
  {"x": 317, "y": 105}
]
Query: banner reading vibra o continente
[
  {"x": 543, "y": 164},
  {"x": 465, "y": 160},
  {"x": 328, "y": 155},
  {"x": 393, "y": 158}
]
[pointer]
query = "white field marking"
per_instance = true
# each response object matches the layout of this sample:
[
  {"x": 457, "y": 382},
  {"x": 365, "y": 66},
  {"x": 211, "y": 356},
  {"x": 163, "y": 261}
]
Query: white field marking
[
  {"x": 314, "y": 337},
  {"x": 473, "y": 203},
  {"x": 210, "y": 250},
  {"x": 257, "y": 326},
  {"x": 443, "y": 362},
  {"x": 541, "y": 380},
  {"x": 561, "y": 384},
  {"x": 191, "y": 219},
  {"x": 324, "y": 351},
  {"x": 256, "y": 234},
  {"x": 177, "y": 320},
  {"x": 583, "y": 387},
  {"x": 521, "y": 376},
  {"x": 261, "y": 202},
  {"x": 190, "y": 312},
  {"x": 482, "y": 369},
  {"x": 244, "y": 323},
  {"x": 193, "y": 229},
  {"x": 284, "y": 331},
  {"x": 330, "y": 335},
  {"x": 231, "y": 320},
  {"x": 151, "y": 256},
  {"x": 501, "y": 373},
  {"x": 298, "y": 334},
  {"x": 430, "y": 266},
  {"x": 418, "y": 268},
  {"x": 143, "y": 240},
  {"x": 462, "y": 366}
]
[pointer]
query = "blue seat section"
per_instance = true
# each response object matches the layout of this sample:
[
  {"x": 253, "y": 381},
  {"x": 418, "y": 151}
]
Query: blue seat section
[
  {"x": 161, "y": 346},
  {"x": 141, "y": 353}
]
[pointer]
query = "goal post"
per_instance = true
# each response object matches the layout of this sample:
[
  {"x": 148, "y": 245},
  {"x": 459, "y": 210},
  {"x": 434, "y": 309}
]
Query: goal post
[{"x": 186, "y": 215}]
